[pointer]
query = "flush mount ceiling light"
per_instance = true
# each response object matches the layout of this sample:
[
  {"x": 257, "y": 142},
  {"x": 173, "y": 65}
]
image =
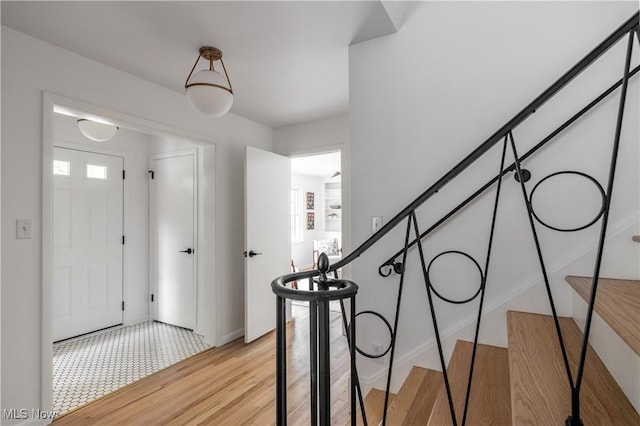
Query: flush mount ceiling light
[
  {"x": 97, "y": 131},
  {"x": 208, "y": 91}
]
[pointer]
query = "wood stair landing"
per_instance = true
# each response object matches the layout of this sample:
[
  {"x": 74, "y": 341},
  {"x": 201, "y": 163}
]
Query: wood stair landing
[
  {"x": 540, "y": 392},
  {"x": 415, "y": 399},
  {"x": 373, "y": 406},
  {"x": 617, "y": 302},
  {"x": 490, "y": 401}
]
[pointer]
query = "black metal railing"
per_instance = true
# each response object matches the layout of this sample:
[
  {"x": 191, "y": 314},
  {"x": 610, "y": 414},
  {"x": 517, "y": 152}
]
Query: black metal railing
[{"x": 414, "y": 237}]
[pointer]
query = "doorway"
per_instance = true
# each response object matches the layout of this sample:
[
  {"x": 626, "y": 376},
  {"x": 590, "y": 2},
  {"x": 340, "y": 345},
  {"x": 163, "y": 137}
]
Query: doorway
[
  {"x": 173, "y": 206},
  {"x": 134, "y": 144},
  {"x": 317, "y": 210},
  {"x": 87, "y": 242}
]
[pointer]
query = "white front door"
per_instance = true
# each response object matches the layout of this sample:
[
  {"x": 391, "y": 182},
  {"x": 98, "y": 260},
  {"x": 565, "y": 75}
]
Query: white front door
[
  {"x": 87, "y": 240},
  {"x": 173, "y": 235},
  {"x": 267, "y": 236}
]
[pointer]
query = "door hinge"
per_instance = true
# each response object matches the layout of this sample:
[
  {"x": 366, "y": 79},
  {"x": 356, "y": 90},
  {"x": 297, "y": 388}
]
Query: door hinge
[
  {"x": 123, "y": 174},
  {"x": 152, "y": 297},
  {"x": 123, "y": 240},
  {"x": 123, "y": 305},
  {"x": 152, "y": 173}
]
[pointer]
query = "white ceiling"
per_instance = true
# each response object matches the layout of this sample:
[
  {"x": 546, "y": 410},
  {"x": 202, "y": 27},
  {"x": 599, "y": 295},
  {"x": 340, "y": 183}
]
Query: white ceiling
[{"x": 288, "y": 61}]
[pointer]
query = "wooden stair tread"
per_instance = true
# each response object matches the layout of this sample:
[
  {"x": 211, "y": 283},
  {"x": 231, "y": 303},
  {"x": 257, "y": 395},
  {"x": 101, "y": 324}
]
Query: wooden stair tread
[
  {"x": 373, "y": 405},
  {"x": 617, "y": 302},
  {"x": 427, "y": 393},
  {"x": 540, "y": 393},
  {"x": 415, "y": 399},
  {"x": 489, "y": 403}
]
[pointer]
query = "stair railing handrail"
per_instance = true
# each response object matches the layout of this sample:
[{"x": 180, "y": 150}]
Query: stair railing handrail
[
  {"x": 560, "y": 83},
  {"x": 630, "y": 27}
]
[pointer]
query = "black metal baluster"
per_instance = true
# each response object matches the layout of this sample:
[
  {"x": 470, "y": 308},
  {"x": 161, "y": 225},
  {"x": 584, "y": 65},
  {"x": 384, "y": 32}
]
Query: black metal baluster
[
  {"x": 313, "y": 358},
  {"x": 484, "y": 283},
  {"x": 395, "y": 323},
  {"x": 541, "y": 261},
  {"x": 281, "y": 361},
  {"x": 352, "y": 354},
  {"x": 324, "y": 365},
  {"x": 574, "y": 419},
  {"x": 352, "y": 348},
  {"x": 435, "y": 322}
]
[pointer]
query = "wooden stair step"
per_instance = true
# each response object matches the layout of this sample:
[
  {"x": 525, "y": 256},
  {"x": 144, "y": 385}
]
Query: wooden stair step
[
  {"x": 617, "y": 302},
  {"x": 489, "y": 403},
  {"x": 540, "y": 393},
  {"x": 373, "y": 405},
  {"x": 415, "y": 399}
]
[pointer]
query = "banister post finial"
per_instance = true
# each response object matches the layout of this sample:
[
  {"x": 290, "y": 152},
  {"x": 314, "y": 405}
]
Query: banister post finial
[{"x": 323, "y": 266}]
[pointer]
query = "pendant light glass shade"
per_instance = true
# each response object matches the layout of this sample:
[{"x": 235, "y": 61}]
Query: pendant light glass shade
[
  {"x": 208, "y": 90},
  {"x": 99, "y": 132},
  {"x": 207, "y": 94}
]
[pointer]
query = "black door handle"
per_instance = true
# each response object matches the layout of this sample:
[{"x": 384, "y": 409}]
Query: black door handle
[
  {"x": 188, "y": 251},
  {"x": 251, "y": 253}
]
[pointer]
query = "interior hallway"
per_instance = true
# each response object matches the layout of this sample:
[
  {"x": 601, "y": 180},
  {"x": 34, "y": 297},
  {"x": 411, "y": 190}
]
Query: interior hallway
[
  {"x": 89, "y": 367},
  {"x": 233, "y": 384}
]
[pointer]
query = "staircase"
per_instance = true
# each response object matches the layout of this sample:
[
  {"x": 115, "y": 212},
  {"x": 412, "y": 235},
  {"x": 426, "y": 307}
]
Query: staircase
[
  {"x": 526, "y": 383},
  {"x": 549, "y": 374}
]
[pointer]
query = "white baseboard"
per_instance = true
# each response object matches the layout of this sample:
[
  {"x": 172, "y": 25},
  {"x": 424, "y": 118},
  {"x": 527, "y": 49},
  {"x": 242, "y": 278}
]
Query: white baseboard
[{"x": 222, "y": 340}]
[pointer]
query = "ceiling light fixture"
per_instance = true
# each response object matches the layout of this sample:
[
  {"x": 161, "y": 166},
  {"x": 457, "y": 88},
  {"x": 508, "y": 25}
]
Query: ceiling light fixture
[
  {"x": 96, "y": 131},
  {"x": 208, "y": 91}
]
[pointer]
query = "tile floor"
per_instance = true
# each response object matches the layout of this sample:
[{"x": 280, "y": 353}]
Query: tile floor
[{"x": 92, "y": 366}]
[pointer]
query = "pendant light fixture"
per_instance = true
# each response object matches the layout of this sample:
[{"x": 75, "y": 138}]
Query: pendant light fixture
[
  {"x": 96, "y": 131},
  {"x": 208, "y": 90}
]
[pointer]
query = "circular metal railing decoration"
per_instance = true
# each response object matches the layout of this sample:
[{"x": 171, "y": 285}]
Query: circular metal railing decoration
[
  {"x": 389, "y": 328},
  {"x": 446, "y": 299},
  {"x": 576, "y": 173}
]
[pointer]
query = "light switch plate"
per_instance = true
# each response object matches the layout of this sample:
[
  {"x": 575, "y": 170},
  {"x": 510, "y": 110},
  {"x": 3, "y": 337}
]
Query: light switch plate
[{"x": 23, "y": 228}]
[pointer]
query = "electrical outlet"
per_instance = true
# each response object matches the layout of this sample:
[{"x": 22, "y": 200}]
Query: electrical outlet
[
  {"x": 377, "y": 349},
  {"x": 376, "y": 223}
]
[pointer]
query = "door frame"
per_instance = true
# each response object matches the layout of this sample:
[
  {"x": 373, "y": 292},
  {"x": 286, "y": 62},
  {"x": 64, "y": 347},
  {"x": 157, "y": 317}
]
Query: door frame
[
  {"x": 206, "y": 271},
  {"x": 345, "y": 172},
  {"x": 153, "y": 255}
]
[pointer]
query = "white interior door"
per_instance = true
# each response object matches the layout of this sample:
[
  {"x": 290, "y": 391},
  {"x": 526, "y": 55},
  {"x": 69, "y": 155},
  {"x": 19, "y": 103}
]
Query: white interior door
[
  {"x": 174, "y": 238},
  {"x": 87, "y": 240},
  {"x": 267, "y": 232}
]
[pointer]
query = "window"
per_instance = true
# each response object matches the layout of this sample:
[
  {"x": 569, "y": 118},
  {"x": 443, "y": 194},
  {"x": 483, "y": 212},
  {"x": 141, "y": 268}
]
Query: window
[
  {"x": 62, "y": 168},
  {"x": 296, "y": 216},
  {"x": 96, "y": 172}
]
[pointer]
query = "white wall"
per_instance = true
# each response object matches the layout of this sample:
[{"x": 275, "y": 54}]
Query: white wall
[
  {"x": 313, "y": 136},
  {"x": 424, "y": 97},
  {"x": 29, "y": 67}
]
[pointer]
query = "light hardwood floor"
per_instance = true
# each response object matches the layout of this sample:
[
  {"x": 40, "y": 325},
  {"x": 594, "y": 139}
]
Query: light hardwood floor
[{"x": 230, "y": 385}]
